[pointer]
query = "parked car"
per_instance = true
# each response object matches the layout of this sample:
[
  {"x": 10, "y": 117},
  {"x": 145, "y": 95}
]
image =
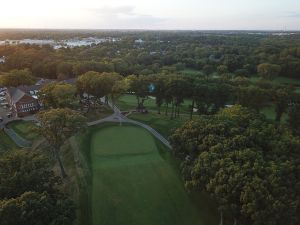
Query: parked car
[{"x": 9, "y": 115}]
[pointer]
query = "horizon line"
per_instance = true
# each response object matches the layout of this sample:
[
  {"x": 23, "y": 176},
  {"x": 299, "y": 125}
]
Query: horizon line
[{"x": 150, "y": 29}]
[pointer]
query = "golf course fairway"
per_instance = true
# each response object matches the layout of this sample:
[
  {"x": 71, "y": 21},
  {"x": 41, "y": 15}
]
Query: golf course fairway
[{"x": 133, "y": 184}]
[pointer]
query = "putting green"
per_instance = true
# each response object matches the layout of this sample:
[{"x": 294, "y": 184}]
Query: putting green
[{"x": 132, "y": 184}]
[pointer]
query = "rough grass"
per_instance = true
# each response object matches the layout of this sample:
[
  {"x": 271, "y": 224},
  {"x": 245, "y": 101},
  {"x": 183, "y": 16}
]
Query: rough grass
[
  {"x": 6, "y": 143},
  {"x": 135, "y": 183},
  {"x": 98, "y": 113},
  {"x": 24, "y": 129}
]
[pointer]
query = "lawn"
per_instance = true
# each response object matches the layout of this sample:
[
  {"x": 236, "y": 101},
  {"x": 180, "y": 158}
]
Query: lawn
[
  {"x": 24, "y": 129},
  {"x": 134, "y": 182},
  {"x": 6, "y": 143},
  {"x": 163, "y": 124}
]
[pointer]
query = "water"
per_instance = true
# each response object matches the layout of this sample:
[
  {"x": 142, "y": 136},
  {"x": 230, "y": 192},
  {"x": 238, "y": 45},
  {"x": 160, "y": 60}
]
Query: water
[{"x": 71, "y": 43}]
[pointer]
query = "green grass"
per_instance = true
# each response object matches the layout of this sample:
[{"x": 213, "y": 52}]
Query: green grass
[
  {"x": 6, "y": 143},
  {"x": 24, "y": 129},
  {"x": 269, "y": 112},
  {"x": 134, "y": 181},
  {"x": 163, "y": 124}
]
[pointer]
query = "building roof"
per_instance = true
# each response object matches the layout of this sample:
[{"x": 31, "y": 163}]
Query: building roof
[
  {"x": 70, "y": 81},
  {"x": 44, "y": 81},
  {"x": 15, "y": 94},
  {"x": 28, "y": 88}
]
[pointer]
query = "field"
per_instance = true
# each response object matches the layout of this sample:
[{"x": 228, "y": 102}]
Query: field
[{"x": 135, "y": 182}]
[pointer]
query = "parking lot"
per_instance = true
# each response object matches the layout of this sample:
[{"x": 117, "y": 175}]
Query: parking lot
[{"x": 4, "y": 110}]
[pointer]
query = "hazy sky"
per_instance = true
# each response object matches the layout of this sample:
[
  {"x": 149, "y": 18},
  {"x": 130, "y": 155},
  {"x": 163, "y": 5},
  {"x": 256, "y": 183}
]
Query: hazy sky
[{"x": 151, "y": 14}]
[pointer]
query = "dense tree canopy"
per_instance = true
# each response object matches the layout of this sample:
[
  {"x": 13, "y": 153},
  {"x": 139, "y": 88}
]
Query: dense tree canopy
[
  {"x": 249, "y": 165},
  {"x": 16, "y": 78},
  {"x": 29, "y": 192}
]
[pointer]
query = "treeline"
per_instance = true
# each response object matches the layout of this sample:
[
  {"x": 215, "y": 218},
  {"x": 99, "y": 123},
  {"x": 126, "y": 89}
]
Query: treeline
[
  {"x": 248, "y": 165},
  {"x": 30, "y": 192},
  {"x": 163, "y": 52}
]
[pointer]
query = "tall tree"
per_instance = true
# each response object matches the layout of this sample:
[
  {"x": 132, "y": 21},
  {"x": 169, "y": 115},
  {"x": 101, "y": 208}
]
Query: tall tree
[{"x": 56, "y": 126}]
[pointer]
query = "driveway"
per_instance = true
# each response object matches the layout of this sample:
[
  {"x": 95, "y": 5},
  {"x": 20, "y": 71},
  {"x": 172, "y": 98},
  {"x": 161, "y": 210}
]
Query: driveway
[{"x": 3, "y": 114}]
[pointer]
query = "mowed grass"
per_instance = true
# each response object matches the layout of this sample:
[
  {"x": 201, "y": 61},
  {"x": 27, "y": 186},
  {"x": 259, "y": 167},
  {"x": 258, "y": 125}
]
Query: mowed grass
[
  {"x": 133, "y": 184},
  {"x": 160, "y": 122}
]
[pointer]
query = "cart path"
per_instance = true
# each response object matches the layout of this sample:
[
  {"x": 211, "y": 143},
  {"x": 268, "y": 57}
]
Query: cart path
[{"x": 118, "y": 117}]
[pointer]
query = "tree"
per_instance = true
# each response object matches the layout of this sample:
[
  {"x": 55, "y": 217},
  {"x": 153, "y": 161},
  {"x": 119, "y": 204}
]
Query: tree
[
  {"x": 139, "y": 85},
  {"x": 294, "y": 117},
  {"x": 245, "y": 163},
  {"x": 159, "y": 82},
  {"x": 282, "y": 100},
  {"x": 56, "y": 126},
  {"x": 208, "y": 70},
  {"x": 30, "y": 170},
  {"x": 222, "y": 69},
  {"x": 99, "y": 85},
  {"x": 64, "y": 70},
  {"x": 252, "y": 97},
  {"x": 268, "y": 71},
  {"x": 57, "y": 95},
  {"x": 16, "y": 78},
  {"x": 29, "y": 191},
  {"x": 32, "y": 208}
]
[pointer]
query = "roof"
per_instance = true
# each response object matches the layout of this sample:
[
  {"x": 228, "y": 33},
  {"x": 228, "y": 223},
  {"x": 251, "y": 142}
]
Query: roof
[
  {"x": 15, "y": 94},
  {"x": 44, "y": 81},
  {"x": 70, "y": 81},
  {"x": 29, "y": 88}
]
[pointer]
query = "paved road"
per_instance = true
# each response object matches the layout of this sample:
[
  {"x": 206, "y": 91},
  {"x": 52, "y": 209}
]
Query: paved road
[{"x": 118, "y": 117}]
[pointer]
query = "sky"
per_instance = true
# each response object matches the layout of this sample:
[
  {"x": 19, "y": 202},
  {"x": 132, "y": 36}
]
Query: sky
[{"x": 152, "y": 14}]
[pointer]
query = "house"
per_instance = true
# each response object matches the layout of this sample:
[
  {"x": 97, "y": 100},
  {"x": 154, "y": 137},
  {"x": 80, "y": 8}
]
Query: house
[{"x": 21, "y": 103}]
